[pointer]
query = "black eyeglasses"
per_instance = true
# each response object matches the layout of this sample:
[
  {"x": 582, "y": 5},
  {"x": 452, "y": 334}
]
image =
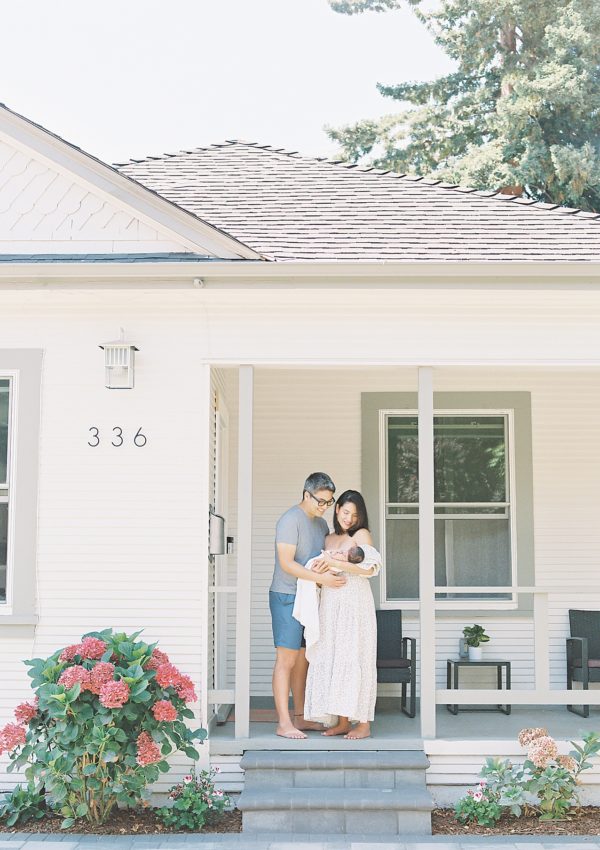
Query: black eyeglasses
[{"x": 322, "y": 502}]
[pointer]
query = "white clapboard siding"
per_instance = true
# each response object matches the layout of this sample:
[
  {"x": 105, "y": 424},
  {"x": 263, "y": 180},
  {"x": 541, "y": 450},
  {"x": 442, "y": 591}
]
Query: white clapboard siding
[{"x": 43, "y": 210}]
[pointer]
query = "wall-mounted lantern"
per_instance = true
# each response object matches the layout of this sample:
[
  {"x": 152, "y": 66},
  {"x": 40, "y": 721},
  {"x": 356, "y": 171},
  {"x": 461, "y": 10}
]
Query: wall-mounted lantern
[{"x": 119, "y": 360}]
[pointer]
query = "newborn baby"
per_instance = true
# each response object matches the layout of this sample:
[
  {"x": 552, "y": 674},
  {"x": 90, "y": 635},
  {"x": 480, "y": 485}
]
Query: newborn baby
[{"x": 354, "y": 555}]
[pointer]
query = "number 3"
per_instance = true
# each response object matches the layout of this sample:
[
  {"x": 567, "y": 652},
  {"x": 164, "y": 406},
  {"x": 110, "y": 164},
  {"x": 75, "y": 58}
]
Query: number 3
[
  {"x": 95, "y": 437},
  {"x": 119, "y": 437}
]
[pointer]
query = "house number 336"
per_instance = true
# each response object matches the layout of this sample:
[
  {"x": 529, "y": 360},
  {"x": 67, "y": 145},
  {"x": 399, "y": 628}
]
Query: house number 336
[{"x": 118, "y": 439}]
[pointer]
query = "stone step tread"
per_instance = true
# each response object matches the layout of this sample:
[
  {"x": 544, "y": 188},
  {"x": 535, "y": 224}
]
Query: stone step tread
[
  {"x": 334, "y": 759},
  {"x": 411, "y": 798}
]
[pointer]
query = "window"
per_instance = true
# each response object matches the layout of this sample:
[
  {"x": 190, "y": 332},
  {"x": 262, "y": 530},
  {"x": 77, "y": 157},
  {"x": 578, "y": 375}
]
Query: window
[
  {"x": 473, "y": 491},
  {"x": 4, "y": 482}
]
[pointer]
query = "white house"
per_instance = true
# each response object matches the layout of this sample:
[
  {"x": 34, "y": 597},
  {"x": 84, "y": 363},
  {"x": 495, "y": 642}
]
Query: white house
[{"x": 295, "y": 314}]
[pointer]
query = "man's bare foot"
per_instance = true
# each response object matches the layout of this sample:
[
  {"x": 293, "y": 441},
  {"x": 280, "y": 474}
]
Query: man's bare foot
[
  {"x": 361, "y": 730},
  {"x": 307, "y": 725},
  {"x": 290, "y": 732},
  {"x": 338, "y": 729}
]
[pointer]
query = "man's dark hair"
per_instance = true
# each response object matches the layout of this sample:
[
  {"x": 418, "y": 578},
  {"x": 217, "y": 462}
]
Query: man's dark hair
[
  {"x": 318, "y": 481},
  {"x": 362, "y": 520}
]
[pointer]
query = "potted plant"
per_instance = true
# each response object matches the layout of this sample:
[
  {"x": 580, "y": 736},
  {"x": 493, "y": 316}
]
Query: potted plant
[{"x": 475, "y": 635}]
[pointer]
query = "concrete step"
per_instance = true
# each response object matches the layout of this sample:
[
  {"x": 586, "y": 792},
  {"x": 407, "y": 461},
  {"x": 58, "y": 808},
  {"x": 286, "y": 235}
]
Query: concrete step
[
  {"x": 393, "y": 811},
  {"x": 334, "y": 769}
]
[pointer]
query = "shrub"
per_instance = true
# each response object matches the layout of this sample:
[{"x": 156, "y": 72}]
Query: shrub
[
  {"x": 193, "y": 799},
  {"x": 545, "y": 779},
  {"x": 23, "y": 803},
  {"x": 480, "y": 806},
  {"x": 99, "y": 731}
]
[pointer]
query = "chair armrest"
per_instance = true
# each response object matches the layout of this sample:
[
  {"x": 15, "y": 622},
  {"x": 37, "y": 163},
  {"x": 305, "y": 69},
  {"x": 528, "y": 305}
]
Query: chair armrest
[
  {"x": 406, "y": 642},
  {"x": 577, "y": 650}
]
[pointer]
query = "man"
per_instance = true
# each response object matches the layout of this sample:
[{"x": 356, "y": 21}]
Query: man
[{"x": 299, "y": 536}]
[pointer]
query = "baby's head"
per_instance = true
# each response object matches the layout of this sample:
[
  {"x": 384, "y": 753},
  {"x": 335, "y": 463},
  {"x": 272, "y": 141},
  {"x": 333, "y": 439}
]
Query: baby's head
[{"x": 356, "y": 555}]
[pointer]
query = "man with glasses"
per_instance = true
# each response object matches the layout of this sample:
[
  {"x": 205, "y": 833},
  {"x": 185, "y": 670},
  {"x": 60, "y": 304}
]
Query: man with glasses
[{"x": 299, "y": 536}]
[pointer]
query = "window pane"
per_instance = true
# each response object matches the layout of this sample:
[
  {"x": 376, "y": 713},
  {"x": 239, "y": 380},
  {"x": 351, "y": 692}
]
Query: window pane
[
  {"x": 402, "y": 558},
  {"x": 3, "y": 428},
  {"x": 3, "y": 548},
  {"x": 475, "y": 552},
  {"x": 403, "y": 454},
  {"x": 470, "y": 459}
]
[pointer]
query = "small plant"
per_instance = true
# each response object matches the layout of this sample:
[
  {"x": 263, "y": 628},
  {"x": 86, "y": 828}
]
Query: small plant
[
  {"x": 475, "y": 635},
  {"x": 107, "y": 714},
  {"x": 193, "y": 800},
  {"x": 479, "y": 806},
  {"x": 23, "y": 803}
]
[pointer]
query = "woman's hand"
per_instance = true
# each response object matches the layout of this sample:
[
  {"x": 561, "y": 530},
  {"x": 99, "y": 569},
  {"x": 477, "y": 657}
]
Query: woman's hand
[{"x": 332, "y": 580}]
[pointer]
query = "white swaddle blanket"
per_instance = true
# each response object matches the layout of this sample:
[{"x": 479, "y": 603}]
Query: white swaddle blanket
[{"x": 306, "y": 604}]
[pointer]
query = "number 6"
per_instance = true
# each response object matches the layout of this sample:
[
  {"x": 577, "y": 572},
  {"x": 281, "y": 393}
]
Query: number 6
[{"x": 137, "y": 440}]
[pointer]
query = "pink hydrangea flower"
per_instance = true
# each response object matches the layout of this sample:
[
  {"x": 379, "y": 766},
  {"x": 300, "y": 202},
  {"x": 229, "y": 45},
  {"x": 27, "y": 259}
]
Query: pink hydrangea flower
[
  {"x": 147, "y": 750},
  {"x": 101, "y": 673},
  {"x": 114, "y": 694},
  {"x": 158, "y": 658},
  {"x": 69, "y": 652},
  {"x": 92, "y": 648},
  {"x": 526, "y": 736},
  {"x": 26, "y": 711},
  {"x": 11, "y": 736},
  {"x": 167, "y": 675},
  {"x": 73, "y": 675},
  {"x": 185, "y": 689},
  {"x": 567, "y": 762},
  {"x": 164, "y": 710},
  {"x": 542, "y": 750}
]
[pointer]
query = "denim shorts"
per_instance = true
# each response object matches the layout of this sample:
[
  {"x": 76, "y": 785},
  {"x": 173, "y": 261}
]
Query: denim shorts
[{"x": 288, "y": 633}]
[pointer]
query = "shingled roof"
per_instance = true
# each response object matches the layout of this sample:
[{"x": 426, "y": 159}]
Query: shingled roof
[{"x": 289, "y": 207}]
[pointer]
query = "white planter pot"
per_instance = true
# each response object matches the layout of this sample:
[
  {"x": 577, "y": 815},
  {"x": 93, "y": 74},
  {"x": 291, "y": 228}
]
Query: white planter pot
[{"x": 475, "y": 653}]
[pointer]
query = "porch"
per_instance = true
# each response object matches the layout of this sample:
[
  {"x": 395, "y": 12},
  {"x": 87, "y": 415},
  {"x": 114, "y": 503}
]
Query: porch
[{"x": 554, "y": 544}]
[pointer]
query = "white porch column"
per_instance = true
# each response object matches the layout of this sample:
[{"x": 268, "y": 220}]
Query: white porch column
[
  {"x": 426, "y": 552},
  {"x": 244, "y": 553}
]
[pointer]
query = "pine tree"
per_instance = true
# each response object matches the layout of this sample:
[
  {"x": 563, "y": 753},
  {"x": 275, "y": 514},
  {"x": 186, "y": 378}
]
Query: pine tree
[{"x": 520, "y": 112}]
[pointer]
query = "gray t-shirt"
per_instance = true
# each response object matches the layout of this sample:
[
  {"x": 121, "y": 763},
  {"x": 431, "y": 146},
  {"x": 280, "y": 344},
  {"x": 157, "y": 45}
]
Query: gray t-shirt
[{"x": 306, "y": 534}]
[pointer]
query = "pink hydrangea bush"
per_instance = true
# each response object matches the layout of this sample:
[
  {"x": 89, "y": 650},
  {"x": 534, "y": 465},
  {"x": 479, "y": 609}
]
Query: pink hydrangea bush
[
  {"x": 107, "y": 714},
  {"x": 545, "y": 781}
]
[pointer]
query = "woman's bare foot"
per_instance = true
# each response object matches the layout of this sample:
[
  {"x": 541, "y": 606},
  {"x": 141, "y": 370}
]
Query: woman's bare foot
[
  {"x": 290, "y": 732},
  {"x": 339, "y": 729},
  {"x": 307, "y": 725},
  {"x": 361, "y": 730}
]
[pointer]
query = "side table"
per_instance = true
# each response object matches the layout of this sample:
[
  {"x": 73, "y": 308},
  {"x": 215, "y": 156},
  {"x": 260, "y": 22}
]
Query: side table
[{"x": 453, "y": 665}]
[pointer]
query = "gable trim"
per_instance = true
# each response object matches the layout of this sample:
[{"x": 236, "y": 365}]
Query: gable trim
[{"x": 151, "y": 208}]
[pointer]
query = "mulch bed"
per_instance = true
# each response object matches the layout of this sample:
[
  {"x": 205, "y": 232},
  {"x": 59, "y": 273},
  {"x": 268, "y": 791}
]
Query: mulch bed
[
  {"x": 137, "y": 822},
  {"x": 585, "y": 821}
]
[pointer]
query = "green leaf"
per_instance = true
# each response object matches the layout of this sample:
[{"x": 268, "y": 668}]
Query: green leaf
[
  {"x": 67, "y": 823},
  {"x": 81, "y": 810},
  {"x": 90, "y": 769}
]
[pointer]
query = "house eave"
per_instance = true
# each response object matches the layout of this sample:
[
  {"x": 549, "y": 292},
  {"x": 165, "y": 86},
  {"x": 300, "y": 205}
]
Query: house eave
[{"x": 199, "y": 273}]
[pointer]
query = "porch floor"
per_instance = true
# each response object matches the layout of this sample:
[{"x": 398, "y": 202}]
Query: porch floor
[{"x": 391, "y": 730}]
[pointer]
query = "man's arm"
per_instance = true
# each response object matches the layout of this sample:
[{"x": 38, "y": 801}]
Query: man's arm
[{"x": 287, "y": 553}]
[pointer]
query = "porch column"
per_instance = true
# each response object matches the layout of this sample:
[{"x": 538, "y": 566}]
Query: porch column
[
  {"x": 244, "y": 553},
  {"x": 426, "y": 552}
]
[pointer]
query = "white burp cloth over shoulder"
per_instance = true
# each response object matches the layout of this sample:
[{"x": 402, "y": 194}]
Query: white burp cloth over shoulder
[{"x": 306, "y": 604}]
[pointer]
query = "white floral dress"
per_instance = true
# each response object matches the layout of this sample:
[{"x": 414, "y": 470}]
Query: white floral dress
[{"x": 342, "y": 673}]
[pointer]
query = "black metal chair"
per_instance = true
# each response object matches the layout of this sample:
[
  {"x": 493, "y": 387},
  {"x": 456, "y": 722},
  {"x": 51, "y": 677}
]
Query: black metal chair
[
  {"x": 583, "y": 653},
  {"x": 396, "y": 658}
]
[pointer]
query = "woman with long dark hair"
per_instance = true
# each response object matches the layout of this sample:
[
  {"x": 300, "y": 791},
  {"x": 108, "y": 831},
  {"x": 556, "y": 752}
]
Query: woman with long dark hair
[{"x": 341, "y": 687}]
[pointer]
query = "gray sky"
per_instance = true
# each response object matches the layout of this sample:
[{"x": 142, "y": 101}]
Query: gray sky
[{"x": 126, "y": 78}]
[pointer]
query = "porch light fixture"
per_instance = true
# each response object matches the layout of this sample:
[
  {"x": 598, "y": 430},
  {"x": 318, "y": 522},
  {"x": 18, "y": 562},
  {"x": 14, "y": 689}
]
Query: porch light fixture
[{"x": 119, "y": 358}]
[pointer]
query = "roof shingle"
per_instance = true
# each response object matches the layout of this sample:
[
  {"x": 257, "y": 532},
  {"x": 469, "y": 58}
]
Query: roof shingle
[{"x": 289, "y": 207}]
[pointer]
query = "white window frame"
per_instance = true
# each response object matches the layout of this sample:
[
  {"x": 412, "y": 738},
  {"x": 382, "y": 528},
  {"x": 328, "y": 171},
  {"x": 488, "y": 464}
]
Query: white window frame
[
  {"x": 9, "y": 485},
  {"x": 449, "y": 604}
]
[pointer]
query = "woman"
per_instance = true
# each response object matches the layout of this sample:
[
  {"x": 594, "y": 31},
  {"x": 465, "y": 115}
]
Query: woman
[{"x": 341, "y": 686}]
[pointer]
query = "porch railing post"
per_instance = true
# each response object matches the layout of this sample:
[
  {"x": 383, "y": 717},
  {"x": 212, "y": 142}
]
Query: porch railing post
[
  {"x": 244, "y": 553},
  {"x": 426, "y": 553}
]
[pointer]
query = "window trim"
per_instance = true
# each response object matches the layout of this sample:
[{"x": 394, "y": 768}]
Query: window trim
[
  {"x": 448, "y": 604},
  {"x": 518, "y": 401},
  {"x": 23, "y": 367}
]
